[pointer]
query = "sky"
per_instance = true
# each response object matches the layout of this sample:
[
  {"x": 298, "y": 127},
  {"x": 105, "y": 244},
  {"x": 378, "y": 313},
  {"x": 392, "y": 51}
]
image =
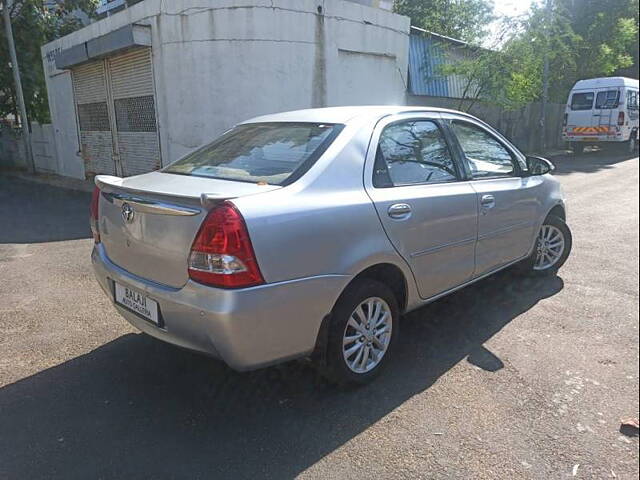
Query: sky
[
  {"x": 511, "y": 7},
  {"x": 506, "y": 8}
]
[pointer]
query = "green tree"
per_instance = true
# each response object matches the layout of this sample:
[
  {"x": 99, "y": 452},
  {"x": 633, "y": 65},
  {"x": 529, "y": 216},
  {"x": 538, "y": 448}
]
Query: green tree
[
  {"x": 609, "y": 36},
  {"x": 466, "y": 20},
  {"x": 582, "y": 38},
  {"x": 35, "y": 22}
]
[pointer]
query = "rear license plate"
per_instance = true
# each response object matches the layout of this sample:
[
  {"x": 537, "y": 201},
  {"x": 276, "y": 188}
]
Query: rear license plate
[
  {"x": 590, "y": 139},
  {"x": 136, "y": 302}
]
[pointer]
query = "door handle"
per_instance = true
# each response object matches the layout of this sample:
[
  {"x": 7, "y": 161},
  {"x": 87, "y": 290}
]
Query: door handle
[
  {"x": 399, "y": 210},
  {"x": 487, "y": 202}
]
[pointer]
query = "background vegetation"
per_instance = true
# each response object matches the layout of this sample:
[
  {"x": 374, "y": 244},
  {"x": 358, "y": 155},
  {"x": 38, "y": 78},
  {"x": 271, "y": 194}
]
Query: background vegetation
[{"x": 581, "y": 39}]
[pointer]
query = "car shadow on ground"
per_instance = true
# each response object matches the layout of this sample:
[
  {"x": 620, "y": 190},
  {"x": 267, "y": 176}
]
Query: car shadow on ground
[
  {"x": 591, "y": 161},
  {"x": 34, "y": 212},
  {"x": 137, "y": 408}
]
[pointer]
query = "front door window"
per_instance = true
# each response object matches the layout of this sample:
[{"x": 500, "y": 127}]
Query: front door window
[{"x": 485, "y": 156}]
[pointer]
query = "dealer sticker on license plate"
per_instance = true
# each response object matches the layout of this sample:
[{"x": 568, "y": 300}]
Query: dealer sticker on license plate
[{"x": 136, "y": 302}]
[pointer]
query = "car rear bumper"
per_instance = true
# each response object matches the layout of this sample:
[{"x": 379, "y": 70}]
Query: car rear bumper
[
  {"x": 246, "y": 328},
  {"x": 594, "y": 139}
]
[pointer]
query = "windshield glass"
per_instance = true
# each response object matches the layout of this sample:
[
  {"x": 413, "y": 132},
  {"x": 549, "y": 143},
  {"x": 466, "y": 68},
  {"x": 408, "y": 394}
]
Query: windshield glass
[
  {"x": 582, "y": 101},
  {"x": 259, "y": 152}
]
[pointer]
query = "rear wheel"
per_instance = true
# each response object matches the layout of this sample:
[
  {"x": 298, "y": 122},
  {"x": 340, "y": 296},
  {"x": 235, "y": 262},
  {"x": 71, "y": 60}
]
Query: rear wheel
[
  {"x": 632, "y": 144},
  {"x": 577, "y": 147},
  {"x": 362, "y": 333},
  {"x": 553, "y": 246}
]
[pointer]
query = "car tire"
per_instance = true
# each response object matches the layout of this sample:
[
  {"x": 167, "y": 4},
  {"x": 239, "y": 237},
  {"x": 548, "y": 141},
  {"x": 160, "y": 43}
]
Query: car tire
[
  {"x": 555, "y": 228},
  {"x": 344, "y": 359},
  {"x": 632, "y": 144},
  {"x": 577, "y": 147}
]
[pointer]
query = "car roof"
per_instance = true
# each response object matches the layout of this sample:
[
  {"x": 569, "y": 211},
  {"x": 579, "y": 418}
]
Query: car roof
[
  {"x": 343, "y": 114},
  {"x": 605, "y": 82}
]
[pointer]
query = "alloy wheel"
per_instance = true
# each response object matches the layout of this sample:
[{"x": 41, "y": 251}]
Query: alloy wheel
[
  {"x": 367, "y": 335},
  {"x": 549, "y": 247}
]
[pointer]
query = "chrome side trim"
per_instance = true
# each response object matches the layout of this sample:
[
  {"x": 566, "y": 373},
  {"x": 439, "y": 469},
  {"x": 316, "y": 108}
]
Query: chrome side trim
[
  {"x": 510, "y": 228},
  {"x": 425, "y": 301},
  {"x": 458, "y": 243},
  {"x": 149, "y": 206}
]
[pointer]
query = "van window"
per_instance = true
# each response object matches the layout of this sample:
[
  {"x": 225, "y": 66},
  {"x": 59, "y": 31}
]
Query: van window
[
  {"x": 632, "y": 100},
  {"x": 608, "y": 99},
  {"x": 582, "y": 101}
]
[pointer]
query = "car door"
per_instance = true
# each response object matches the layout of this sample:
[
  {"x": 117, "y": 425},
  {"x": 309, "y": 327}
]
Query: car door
[
  {"x": 428, "y": 211},
  {"x": 508, "y": 201},
  {"x": 580, "y": 115},
  {"x": 605, "y": 111}
]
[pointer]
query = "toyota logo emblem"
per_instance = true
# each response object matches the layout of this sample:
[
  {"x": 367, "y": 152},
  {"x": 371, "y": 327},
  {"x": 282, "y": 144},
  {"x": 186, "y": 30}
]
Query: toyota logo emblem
[{"x": 127, "y": 213}]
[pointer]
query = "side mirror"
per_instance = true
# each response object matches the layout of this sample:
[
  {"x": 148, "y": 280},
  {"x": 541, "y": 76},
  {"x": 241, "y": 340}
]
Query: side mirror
[{"x": 539, "y": 166}]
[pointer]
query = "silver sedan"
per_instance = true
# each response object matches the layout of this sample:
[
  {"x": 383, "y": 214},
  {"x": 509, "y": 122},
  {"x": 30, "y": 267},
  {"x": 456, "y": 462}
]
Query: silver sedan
[{"x": 310, "y": 233}]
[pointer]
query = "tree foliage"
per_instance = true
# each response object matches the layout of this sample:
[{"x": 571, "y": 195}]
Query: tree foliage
[
  {"x": 580, "y": 38},
  {"x": 34, "y": 23},
  {"x": 466, "y": 20},
  {"x": 609, "y": 35}
]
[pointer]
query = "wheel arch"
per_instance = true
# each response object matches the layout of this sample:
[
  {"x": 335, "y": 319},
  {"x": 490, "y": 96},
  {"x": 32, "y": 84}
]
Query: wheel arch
[
  {"x": 390, "y": 275},
  {"x": 384, "y": 272},
  {"x": 559, "y": 211}
]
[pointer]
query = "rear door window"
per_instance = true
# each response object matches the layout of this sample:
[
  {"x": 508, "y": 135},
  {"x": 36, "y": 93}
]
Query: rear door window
[
  {"x": 274, "y": 153},
  {"x": 582, "y": 101},
  {"x": 607, "y": 99},
  {"x": 413, "y": 152},
  {"x": 632, "y": 100}
]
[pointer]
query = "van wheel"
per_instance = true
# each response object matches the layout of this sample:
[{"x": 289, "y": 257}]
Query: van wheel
[
  {"x": 362, "y": 334},
  {"x": 553, "y": 246},
  {"x": 577, "y": 147}
]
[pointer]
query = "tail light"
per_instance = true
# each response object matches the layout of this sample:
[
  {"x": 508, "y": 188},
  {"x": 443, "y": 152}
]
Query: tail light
[
  {"x": 222, "y": 254},
  {"x": 565, "y": 119},
  {"x": 620, "y": 118},
  {"x": 93, "y": 214}
]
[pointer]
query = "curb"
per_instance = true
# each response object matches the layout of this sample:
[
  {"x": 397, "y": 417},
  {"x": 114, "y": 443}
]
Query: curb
[{"x": 53, "y": 180}]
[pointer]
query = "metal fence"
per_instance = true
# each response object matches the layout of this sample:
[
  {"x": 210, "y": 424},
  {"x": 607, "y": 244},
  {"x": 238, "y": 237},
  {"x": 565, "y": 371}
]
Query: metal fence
[{"x": 522, "y": 126}]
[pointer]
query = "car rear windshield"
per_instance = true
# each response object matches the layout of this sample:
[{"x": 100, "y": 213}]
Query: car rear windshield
[
  {"x": 274, "y": 153},
  {"x": 582, "y": 101}
]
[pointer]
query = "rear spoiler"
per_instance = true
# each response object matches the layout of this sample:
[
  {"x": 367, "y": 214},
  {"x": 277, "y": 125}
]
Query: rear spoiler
[{"x": 113, "y": 185}]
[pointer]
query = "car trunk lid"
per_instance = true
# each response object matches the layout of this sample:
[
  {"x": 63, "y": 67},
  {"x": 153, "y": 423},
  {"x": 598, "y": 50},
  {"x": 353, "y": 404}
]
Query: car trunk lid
[{"x": 148, "y": 223}]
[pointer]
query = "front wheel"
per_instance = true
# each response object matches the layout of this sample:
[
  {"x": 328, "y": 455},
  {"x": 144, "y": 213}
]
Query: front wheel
[
  {"x": 553, "y": 246},
  {"x": 362, "y": 333}
]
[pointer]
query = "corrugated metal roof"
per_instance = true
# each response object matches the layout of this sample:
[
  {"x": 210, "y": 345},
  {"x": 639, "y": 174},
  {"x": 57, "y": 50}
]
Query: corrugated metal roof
[{"x": 426, "y": 55}]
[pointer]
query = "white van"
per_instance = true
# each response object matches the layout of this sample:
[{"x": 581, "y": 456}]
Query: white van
[{"x": 602, "y": 110}]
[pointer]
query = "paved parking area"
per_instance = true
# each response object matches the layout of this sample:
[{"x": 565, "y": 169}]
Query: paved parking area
[{"x": 509, "y": 378}]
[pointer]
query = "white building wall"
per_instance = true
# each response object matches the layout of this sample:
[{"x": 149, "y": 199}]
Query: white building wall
[{"x": 217, "y": 63}]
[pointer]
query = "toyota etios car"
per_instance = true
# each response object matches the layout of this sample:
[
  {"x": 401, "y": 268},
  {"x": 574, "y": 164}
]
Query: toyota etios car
[{"x": 309, "y": 233}]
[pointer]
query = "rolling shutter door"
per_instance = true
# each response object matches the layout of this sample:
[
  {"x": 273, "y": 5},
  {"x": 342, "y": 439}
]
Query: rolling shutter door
[
  {"x": 96, "y": 141},
  {"x": 131, "y": 79}
]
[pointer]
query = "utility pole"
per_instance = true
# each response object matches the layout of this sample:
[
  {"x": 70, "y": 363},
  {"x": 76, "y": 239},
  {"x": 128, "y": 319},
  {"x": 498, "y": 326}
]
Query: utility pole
[
  {"x": 545, "y": 78},
  {"x": 18, "y": 84}
]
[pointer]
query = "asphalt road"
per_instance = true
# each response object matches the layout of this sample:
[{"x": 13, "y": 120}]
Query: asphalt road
[{"x": 510, "y": 378}]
